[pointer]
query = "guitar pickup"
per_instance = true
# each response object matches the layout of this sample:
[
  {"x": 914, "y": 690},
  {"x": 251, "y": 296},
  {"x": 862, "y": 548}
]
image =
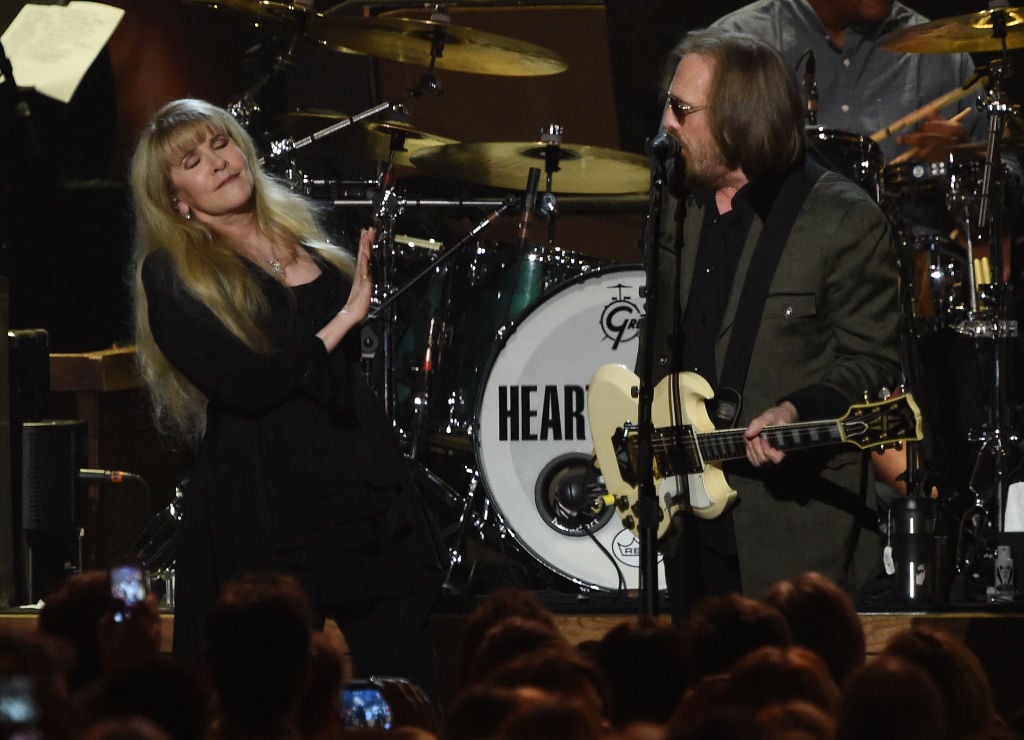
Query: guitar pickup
[
  {"x": 675, "y": 451},
  {"x": 626, "y": 466}
]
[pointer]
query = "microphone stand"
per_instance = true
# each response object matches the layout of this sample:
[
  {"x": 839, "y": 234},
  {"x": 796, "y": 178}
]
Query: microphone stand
[{"x": 647, "y": 495}]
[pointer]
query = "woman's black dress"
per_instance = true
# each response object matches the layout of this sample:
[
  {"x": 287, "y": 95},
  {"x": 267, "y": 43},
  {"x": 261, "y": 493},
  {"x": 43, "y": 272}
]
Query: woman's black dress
[{"x": 299, "y": 470}]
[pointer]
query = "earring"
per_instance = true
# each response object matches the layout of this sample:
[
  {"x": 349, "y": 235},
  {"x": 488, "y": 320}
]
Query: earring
[{"x": 187, "y": 215}]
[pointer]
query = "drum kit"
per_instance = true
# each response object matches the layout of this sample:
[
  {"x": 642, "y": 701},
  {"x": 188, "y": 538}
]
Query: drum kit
[
  {"x": 482, "y": 349},
  {"x": 956, "y": 290}
]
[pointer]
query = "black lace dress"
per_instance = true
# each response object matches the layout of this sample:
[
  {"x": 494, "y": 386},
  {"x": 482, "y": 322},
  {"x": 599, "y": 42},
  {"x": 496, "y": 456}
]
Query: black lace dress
[{"x": 299, "y": 470}]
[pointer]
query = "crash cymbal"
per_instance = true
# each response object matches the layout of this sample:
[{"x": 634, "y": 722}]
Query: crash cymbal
[
  {"x": 962, "y": 33},
  {"x": 411, "y": 41},
  {"x": 373, "y": 139},
  {"x": 266, "y": 9},
  {"x": 506, "y": 164}
]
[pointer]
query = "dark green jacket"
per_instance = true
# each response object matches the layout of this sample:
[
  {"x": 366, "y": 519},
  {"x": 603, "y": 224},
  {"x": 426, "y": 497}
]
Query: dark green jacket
[{"x": 830, "y": 319}]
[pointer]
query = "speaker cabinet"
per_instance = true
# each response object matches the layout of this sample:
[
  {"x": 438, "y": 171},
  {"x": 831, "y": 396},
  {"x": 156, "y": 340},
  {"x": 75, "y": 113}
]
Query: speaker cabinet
[
  {"x": 52, "y": 504},
  {"x": 53, "y": 452}
]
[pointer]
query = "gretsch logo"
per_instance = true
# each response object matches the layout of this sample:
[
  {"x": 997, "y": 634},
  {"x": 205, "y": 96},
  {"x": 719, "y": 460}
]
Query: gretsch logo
[{"x": 620, "y": 319}]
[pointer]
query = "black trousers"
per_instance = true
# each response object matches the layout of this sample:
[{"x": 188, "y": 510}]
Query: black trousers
[{"x": 700, "y": 561}]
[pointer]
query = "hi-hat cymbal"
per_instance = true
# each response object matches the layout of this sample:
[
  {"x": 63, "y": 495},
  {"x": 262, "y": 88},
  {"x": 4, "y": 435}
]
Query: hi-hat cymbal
[
  {"x": 506, "y": 164},
  {"x": 372, "y": 140},
  {"x": 411, "y": 41},
  {"x": 962, "y": 33}
]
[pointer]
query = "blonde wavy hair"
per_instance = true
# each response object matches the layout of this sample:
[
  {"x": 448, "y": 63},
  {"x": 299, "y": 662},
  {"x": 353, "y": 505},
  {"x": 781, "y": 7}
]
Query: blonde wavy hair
[{"x": 210, "y": 270}]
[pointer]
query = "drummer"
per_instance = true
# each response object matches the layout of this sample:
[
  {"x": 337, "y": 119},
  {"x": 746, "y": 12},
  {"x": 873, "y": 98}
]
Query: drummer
[{"x": 861, "y": 87}]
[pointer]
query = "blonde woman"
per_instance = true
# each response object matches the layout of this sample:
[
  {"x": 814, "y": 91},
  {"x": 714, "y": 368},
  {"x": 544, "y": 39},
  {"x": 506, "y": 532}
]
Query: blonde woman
[{"x": 247, "y": 329}]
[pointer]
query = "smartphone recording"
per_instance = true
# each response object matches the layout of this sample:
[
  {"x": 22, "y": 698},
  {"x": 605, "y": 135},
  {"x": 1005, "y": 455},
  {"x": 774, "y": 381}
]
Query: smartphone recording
[
  {"x": 363, "y": 705},
  {"x": 127, "y": 587}
]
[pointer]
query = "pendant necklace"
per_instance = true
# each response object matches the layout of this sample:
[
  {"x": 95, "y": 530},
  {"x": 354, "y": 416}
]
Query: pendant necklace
[{"x": 276, "y": 266}]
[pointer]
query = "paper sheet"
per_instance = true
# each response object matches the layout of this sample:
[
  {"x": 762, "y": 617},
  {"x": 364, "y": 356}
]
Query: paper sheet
[
  {"x": 51, "y": 47},
  {"x": 1014, "y": 508}
]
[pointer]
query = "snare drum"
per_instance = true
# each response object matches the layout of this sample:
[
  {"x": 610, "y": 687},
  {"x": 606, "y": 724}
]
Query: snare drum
[
  {"x": 532, "y": 434},
  {"x": 854, "y": 156}
]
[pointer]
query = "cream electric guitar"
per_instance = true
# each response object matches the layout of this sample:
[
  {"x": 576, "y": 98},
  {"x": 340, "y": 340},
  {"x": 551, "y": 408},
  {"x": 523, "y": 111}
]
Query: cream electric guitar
[{"x": 690, "y": 446}]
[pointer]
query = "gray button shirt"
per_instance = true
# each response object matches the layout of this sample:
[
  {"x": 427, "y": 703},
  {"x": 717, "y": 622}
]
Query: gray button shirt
[{"x": 861, "y": 87}]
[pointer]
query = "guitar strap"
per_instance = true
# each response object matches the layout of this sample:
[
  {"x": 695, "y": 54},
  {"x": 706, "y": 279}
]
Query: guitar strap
[{"x": 763, "y": 262}]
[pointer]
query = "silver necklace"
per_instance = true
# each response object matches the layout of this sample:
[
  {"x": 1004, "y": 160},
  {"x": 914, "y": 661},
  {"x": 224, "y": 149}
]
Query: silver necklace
[{"x": 276, "y": 265}]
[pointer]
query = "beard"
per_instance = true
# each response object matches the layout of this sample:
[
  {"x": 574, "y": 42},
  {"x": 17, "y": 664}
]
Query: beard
[{"x": 701, "y": 166}]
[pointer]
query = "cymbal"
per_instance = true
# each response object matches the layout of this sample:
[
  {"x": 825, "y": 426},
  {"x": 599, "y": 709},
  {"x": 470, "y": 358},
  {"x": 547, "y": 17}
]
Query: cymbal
[
  {"x": 506, "y": 164},
  {"x": 409, "y": 40},
  {"x": 962, "y": 33},
  {"x": 268, "y": 9},
  {"x": 371, "y": 139}
]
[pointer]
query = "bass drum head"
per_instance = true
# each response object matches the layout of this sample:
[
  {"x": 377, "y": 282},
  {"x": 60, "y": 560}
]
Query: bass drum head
[{"x": 532, "y": 436}]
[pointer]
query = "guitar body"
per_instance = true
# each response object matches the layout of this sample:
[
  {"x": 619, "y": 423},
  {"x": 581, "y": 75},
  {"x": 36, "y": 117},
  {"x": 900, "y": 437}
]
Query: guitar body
[
  {"x": 688, "y": 450},
  {"x": 611, "y": 404}
]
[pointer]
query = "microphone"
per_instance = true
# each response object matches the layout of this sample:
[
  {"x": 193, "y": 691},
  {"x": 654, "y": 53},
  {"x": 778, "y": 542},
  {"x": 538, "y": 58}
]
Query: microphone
[
  {"x": 811, "y": 89},
  {"x": 529, "y": 201},
  {"x": 107, "y": 476},
  {"x": 662, "y": 147},
  {"x": 582, "y": 494}
]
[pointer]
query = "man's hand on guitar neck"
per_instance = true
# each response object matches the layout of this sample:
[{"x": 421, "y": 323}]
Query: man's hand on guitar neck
[{"x": 759, "y": 451}]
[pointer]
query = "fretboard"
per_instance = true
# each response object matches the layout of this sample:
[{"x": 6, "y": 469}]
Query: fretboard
[{"x": 674, "y": 446}]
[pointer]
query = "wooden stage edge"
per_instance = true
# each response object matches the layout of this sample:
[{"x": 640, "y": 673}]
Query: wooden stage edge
[
  {"x": 878, "y": 626},
  {"x": 997, "y": 638}
]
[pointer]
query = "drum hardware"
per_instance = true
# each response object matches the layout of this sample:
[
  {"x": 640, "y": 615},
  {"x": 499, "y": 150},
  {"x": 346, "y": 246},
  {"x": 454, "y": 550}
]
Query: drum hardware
[
  {"x": 583, "y": 170},
  {"x": 389, "y": 207},
  {"x": 997, "y": 29},
  {"x": 283, "y": 147},
  {"x": 267, "y": 10},
  {"x": 392, "y": 139},
  {"x": 627, "y": 203}
]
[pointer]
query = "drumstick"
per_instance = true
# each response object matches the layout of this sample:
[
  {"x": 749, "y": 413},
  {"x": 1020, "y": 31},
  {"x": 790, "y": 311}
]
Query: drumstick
[
  {"x": 904, "y": 156},
  {"x": 927, "y": 109}
]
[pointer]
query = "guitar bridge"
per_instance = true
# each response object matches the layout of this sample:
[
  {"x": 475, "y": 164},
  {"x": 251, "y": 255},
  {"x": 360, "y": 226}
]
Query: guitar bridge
[{"x": 675, "y": 450}]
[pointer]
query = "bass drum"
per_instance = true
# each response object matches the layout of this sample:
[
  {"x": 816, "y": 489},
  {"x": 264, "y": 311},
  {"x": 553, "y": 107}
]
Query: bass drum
[{"x": 532, "y": 436}]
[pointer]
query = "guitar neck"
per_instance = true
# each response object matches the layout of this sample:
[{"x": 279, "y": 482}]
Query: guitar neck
[
  {"x": 729, "y": 444},
  {"x": 674, "y": 445}
]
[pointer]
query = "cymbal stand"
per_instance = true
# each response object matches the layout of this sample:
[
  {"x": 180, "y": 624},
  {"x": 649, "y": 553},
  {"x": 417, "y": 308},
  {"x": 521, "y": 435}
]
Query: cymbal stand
[
  {"x": 388, "y": 297},
  {"x": 244, "y": 108},
  {"x": 428, "y": 83},
  {"x": 980, "y": 323},
  {"x": 387, "y": 208},
  {"x": 551, "y": 137}
]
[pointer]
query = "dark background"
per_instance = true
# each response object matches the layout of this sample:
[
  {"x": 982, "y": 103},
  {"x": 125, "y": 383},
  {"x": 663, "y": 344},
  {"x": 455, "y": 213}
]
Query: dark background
[{"x": 65, "y": 235}]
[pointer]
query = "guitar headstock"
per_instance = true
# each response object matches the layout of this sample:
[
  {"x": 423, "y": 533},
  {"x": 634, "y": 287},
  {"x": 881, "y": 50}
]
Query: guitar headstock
[{"x": 882, "y": 423}]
